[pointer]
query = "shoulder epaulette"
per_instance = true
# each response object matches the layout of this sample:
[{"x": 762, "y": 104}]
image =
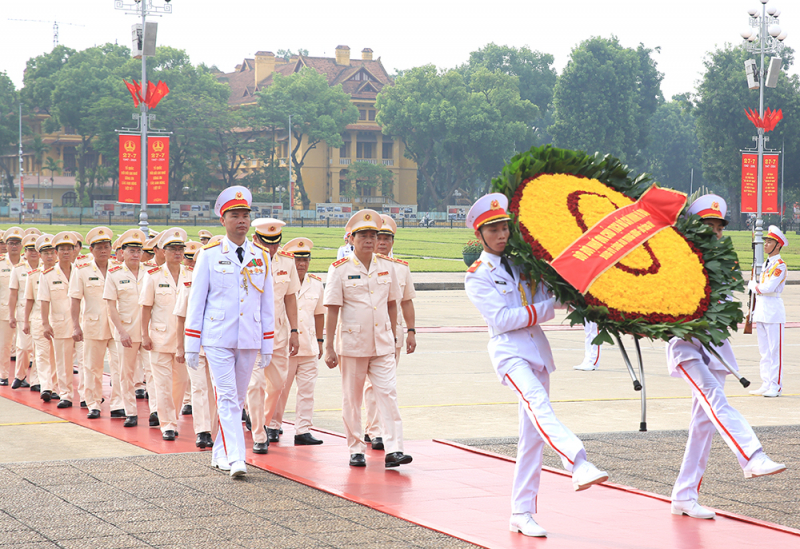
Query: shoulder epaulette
[
  {"x": 151, "y": 271},
  {"x": 48, "y": 270},
  {"x": 474, "y": 266},
  {"x": 20, "y": 264},
  {"x": 340, "y": 262},
  {"x": 82, "y": 265},
  {"x": 82, "y": 256},
  {"x": 115, "y": 269},
  {"x": 190, "y": 269},
  {"x": 2, "y": 257},
  {"x": 211, "y": 245},
  {"x": 187, "y": 284},
  {"x": 36, "y": 270},
  {"x": 286, "y": 254},
  {"x": 260, "y": 246},
  {"x": 400, "y": 261},
  {"x": 315, "y": 277}
]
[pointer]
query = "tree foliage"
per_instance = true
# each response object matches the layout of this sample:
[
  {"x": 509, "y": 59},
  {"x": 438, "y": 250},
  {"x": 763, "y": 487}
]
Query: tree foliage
[
  {"x": 9, "y": 127},
  {"x": 362, "y": 177}
]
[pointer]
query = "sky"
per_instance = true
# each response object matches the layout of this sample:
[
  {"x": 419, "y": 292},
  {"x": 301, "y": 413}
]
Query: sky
[{"x": 404, "y": 34}]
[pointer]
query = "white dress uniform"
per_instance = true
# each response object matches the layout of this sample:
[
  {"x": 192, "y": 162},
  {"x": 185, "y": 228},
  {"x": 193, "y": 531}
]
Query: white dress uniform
[
  {"x": 6, "y": 333},
  {"x": 231, "y": 315},
  {"x": 43, "y": 347},
  {"x": 344, "y": 251},
  {"x": 24, "y": 342},
  {"x": 591, "y": 352}
]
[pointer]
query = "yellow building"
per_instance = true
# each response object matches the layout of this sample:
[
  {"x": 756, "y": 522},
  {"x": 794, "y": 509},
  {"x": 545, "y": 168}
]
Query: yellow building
[{"x": 362, "y": 79}]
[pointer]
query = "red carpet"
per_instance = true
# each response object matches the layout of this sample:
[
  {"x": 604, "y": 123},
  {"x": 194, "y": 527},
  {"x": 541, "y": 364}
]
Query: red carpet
[{"x": 465, "y": 493}]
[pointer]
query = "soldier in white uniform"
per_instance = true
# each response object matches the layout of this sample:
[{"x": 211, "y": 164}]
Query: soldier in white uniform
[
  {"x": 711, "y": 411},
  {"x": 188, "y": 260},
  {"x": 231, "y": 315},
  {"x": 591, "y": 355},
  {"x": 362, "y": 291},
  {"x": 405, "y": 312},
  {"x": 13, "y": 242},
  {"x": 43, "y": 348},
  {"x": 266, "y": 385},
  {"x": 303, "y": 367},
  {"x": 521, "y": 356},
  {"x": 347, "y": 248},
  {"x": 16, "y": 311},
  {"x": 159, "y": 328},
  {"x": 770, "y": 315}
]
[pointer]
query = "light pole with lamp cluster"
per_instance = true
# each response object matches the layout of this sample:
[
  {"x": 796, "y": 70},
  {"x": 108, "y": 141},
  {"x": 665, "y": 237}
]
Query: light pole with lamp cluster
[{"x": 764, "y": 37}]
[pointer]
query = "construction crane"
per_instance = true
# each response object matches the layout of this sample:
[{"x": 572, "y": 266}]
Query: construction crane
[{"x": 55, "y": 27}]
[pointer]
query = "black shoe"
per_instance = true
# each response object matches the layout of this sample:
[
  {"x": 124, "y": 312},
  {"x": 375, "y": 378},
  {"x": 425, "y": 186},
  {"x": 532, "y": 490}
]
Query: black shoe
[
  {"x": 200, "y": 441},
  {"x": 36, "y": 388},
  {"x": 367, "y": 439},
  {"x": 357, "y": 460},
  {"x": 83, "y": 404},
  {"x": 140, "y": 394},
  {"x": 16, "y": 384},
  {"x": 186, "y": 410},
  {"x": 246, "y": 419},
  {"x": 93, "y": 414},
  {"x": 272, "y": 435},
  {"x": 280, "y": 431},
  {"x": 395, "y": 459},
  {"x": 169, "y": 435},
  {"x": 118, "y": 413},
  {"x": 377, "y": 443},
  {"x": 64, "y": 404},
  {"x": 306, "y": 439},
  {"x": 55, "y": 396},
  {"x": 46, "y": 396},
  {"x": 4, "y": 381},
  {"x": 260, "y": 447},
  {"x": 131, "y": 421},
  {"x": 74, "y": 370},
  {"x": 154, "y": 420},
  {"x": 24, "y": 384},
  {"x": 209, "y": 440}
]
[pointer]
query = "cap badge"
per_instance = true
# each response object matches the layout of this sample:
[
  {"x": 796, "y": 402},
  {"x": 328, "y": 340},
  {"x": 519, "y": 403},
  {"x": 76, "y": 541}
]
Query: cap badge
[
  {"x": 177, "y": 233},
  {"x": 495, "y": 205},
  {"x": 271, "y": 229},
  {"x": 367, "y": 217},
  {"x": 239, "y": 194},
  {"x": 715, "y": 205},
  {"x": 300, "y": 244},
  {"x": 100, "y": 232}
]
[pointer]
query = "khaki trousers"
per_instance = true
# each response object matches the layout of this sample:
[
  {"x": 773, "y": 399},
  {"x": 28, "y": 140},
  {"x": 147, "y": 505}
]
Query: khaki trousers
[
  {"x": 373, "y": 428},
  {"x": 139, "y": 380},
  {"x": 78, "y": 363},
  {"x": 45, "y": 358},
  {"x": 6, "y": 341},
  {"x": 170, "y": 381},
  {"x": 152, "y": 390},
  {"x": 204, "y": 403},
  {"x": 129, "y": 357},
  {"x": 304, "y": 370},
  {"x": 94, "y": 359},
  {"x": 65, "y": 350},
  {"x": 261, "y": 403},
  {"x": 25, "y": 357},
  {"x": 381, "y": 372}
]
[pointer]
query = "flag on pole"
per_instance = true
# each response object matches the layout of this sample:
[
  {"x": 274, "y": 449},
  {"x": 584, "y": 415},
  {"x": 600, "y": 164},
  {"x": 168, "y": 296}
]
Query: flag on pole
[
  {"x": 160, "y": 91},
  {"x": 134, "y": 93}
]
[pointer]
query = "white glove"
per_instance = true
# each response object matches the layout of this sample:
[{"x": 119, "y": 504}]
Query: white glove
[
  {"x": 751, "y": 286},
  {"x": 265, "y": 360},
  {"x": 193, "y": 360}
]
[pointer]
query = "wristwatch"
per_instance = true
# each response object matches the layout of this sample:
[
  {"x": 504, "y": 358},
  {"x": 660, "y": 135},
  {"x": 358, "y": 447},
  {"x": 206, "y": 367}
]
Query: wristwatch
[
  {"x": 411, "y": 330},
  {"x": 293, "y": 330}
]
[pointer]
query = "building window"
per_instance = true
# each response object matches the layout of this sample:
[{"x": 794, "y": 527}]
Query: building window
[
  {"x": 362, "y": 114},
  {"x": 371, "y": 115},
  {"x": 387, "y": 152},
  {"x": 69, "y": 198},
  {"x": 344, "y": 150},
  {"x": 364, "y": 150}
]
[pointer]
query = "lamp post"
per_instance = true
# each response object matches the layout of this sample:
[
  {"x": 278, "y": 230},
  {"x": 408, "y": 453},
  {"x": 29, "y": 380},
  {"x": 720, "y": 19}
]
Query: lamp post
[
  {"x": 763, "y": 37},
  {"x": 143, "y": 8},
  {"x": 289, "y": 161}
]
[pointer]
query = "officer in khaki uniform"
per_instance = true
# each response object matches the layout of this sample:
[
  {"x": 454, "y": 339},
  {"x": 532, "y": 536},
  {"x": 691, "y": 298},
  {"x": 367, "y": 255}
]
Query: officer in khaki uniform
[
  {"x": 266, "y": 384},
  {"x": 121, "y": 291},
  {"x": 303, "y": 367},
  {"x": 16, "y": 311},
  {"x": 205, "y": 236},
  {"x": 57, "y": 315},
  {"x": 362, "y": 290},
  {"x": 12, "y": 238},
  {"x": 43, "y": 347},
  {"x": 159, "y": 328},
  {"x": 86, "y": 288},
  {"x": 405, "y": 312}
]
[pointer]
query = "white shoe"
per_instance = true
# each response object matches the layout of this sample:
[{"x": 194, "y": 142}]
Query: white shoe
[
  {"x": 693, "y": 509},
  {"x": 772, "y": 393},
  {"x": 220, "y": 464},
  {"x": 760, "y": 391},
  {"x": 525, "y": 525},
  {"x": 238, "y": 469},
  {"x": 760, "y": 466},
  {"x": 585, "y": 475},
  {"x": 585, "y": 366}
]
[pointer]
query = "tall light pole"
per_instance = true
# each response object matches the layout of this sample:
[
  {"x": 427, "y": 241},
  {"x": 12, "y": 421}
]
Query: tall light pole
[
  {"x": 289, "y": 161},
  {"x": 764, "y": 37},
  {"x": 143, "y": 8},
  {"x": 21, "y": 165}
]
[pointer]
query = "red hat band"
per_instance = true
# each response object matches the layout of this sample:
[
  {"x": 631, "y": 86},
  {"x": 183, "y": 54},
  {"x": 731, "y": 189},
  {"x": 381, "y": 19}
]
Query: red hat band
[{"x": 489, "y": 216}]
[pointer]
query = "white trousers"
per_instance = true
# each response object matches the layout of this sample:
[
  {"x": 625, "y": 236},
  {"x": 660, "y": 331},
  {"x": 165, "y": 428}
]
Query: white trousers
[
  {"x": 264, "y": 391},
  {"x": 230, "y": 373},
  {"x": 380, "y": 370},
  {"x": 93, "y": 363},
  {"x": 129, "y": 357},
  {"x": 204, "y": 405},
  {"x": 710, "y": 412},
  {"x": 65, "y": 352},
  {"x": 304, "y": 370},
  {"x": 538, "y": 425},
  {"x": 373, "y": 427},
  {"x": 25, "y": 357},
  {"x": 6, "y": 341},
  {"x": 770, "y": 345},
  {"x": 45, "y": 358},
  {"x": 170, "y": 380},
  {"x": 591, "y": 353}
]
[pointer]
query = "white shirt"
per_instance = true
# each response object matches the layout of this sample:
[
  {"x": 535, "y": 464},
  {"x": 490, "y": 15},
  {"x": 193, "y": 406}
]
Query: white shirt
[
  {"x": 769, "y": 303},
  {"x": 344, "y": 251}
]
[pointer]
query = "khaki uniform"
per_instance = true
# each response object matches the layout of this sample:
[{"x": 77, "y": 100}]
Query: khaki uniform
[
  {"x": 43, "y": 347},
  {"x": 87, "y": 284},
  {"x": 122, "y": 287},
  {"x": 403, "y": 274},
  {"x": 303, "y": 366},
  {"x": 366, "y": 344},
  {"x": 54, "y": 288},
  {"x": 266, "y": 384},
  {"x": 6, "y": 333},
  {"x": 160, "y": 292},
  {"x": 204, "y": 404},
  {"x": 24, "y": 342}
]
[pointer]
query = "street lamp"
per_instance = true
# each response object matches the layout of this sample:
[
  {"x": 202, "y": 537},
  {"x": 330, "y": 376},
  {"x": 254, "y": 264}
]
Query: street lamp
[
  {"x": 289, "y": 161},
  {"x": 764, "y": 37}
]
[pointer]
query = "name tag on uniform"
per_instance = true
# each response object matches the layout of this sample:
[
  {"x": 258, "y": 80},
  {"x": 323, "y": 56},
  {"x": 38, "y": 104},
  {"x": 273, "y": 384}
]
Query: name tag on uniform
[
  {"x": 94, "y": 278},
  {"x": 124, "y": 281},
  {"x": 281, "y": 273},
  {"x": 6, "y": 270},
  {"x": 384, "y": 273},
  {"x": 163, "y": 285},
  {"x": 351, "y": 277},
  {"x": 503, "y": 282},
  {"x": 56, "y": 282},
  {"x": 224, "y": 262}
]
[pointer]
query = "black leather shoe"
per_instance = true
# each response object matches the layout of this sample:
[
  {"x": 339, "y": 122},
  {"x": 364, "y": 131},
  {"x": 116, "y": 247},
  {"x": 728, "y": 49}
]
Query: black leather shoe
[
  {"x": 24, "y": 384},
  {"x": 154, "y": 420},
  {"x": 260, "y": 447},
  {"x": 395, "y": 459},
  {"x": 367, "y": 439},
  {"x": 46, "y": 396},
  {"x": 280, "y": 431},
  {"x": 357, "y": 460},
  {"x": 93, "y": 414},
  {"x": 377, "y": 443},
  {"x": 74, "y": 370},
  {"x": 55, "y": 396},
  {"x": 169, "y": 435},
  {"x": 306, "y": 439},
  {"x": 118, "y": 413},
  {"x": 131, "y": 421},
  {"x": 186, "y": 410},
  {"x": 16, "y": 384},
  {"x": 200, "y": 441},
  {"x": 140, "y": 394},
  {"x": 64, "y": 404},
  {"x": 272, "y": 435},
  {"x": 4, "y": 381},
  {"x": 246, "y": 419},
  {"x": 36, "y": 388},
  {"x": 209, "y": 440},
  {"x": 83, "y": 404}
]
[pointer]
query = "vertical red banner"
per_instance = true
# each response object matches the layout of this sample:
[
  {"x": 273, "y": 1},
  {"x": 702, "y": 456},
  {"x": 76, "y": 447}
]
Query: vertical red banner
[
  {"x": 769, "y": 190},
  {"x": 130, "y": 169},
  {"x": 749, "y": 183},
  {"x": 158, "y": 170}
]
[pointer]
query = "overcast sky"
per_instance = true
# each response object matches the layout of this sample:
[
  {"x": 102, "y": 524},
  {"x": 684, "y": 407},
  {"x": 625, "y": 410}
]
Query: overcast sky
[{"x": 404, "y": 34}]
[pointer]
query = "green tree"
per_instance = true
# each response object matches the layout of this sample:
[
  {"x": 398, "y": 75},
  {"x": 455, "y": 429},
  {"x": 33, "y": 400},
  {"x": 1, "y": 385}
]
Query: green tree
[
  {"x": 362, "y": 177},
  {"x": 51, "y": 165},
  {"x": 9, "y": 130},
  {"x": 39, "y": 78},
  {"x": 605, "y": 97},
  {"x": 319, "y": 112}
]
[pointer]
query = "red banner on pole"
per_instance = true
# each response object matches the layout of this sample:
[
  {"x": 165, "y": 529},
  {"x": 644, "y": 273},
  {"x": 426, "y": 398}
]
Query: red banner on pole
[
  {"x": 749, "y": 183},
  {"x": 617, "y": 235},
  {"x": 158, "y": 170},
  {"x": 769, "y": 189},
  {"x": 769, "y": 196},
  {"x": 130, "y": 168}
]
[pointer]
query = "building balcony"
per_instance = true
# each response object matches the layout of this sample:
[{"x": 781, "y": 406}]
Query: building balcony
[{"x": 388, "y": 162}]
